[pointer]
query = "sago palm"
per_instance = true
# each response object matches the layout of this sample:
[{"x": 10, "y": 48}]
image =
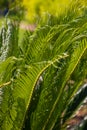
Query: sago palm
[{"x": 36, "y": 91}]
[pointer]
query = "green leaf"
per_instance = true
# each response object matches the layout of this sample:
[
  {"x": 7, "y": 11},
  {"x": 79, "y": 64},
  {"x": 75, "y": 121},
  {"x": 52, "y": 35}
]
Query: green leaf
[
  {"x": 45, "y": 114},
  {"x": 21, "y": 95}
]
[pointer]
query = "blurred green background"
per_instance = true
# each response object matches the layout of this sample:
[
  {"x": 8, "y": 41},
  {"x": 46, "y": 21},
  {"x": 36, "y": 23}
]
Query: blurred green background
[{"x": 31, "y": 10}]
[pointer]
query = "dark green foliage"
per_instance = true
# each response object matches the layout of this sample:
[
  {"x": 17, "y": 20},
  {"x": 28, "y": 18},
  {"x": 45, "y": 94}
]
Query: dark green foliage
[
  {"x": 36, "y": 87},
  {"x": 3, "y": 3},
  {"x": 76, "y": 101}
]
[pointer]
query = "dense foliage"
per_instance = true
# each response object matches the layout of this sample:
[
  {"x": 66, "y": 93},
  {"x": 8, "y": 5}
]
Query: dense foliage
[{"x": 41, "y": 77}]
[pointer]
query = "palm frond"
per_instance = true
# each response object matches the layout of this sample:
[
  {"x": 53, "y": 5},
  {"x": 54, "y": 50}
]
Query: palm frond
[
  {"x": 53, "y": 106},
  {"x": 43, "y": 55},
  {"x": 23, "y": 91}
]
